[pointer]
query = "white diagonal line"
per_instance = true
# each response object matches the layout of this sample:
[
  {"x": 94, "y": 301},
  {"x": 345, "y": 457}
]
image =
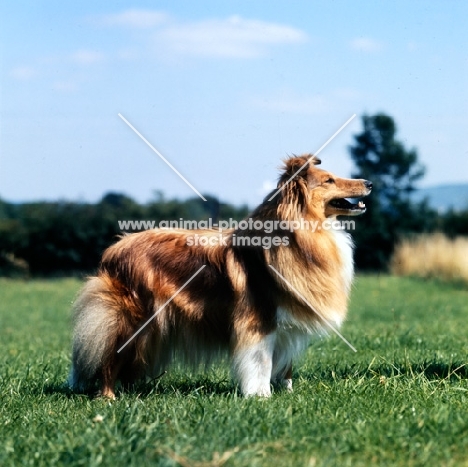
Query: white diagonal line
[
  {"x": 314, "y": 310},
  {"x": 160, "y": 309},
  {"x": 161, "y": 156},
  {"x": 316, "y": 153}
]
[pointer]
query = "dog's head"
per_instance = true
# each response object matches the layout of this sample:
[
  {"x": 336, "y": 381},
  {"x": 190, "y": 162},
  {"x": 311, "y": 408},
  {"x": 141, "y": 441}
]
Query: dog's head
[{"x": 319, "y": 191}]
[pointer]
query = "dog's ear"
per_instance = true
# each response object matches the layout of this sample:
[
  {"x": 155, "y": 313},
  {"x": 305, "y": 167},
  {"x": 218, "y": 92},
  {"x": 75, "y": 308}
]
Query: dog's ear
[
  {"x": 314, "y": 159},
  {"x": 295, "y": 165},
  {"x": 294, "y": 181},
  {"x": 298, "y": 165}
]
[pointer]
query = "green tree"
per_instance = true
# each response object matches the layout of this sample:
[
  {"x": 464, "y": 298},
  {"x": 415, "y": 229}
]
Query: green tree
[{"x": 394, "y": 171}]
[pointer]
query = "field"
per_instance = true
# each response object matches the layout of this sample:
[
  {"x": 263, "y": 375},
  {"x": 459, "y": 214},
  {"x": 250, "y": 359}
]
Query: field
[{"x": 402, "y": 399}]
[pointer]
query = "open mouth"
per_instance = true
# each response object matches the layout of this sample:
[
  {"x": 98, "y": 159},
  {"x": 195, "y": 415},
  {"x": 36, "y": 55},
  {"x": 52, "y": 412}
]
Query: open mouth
[{"x": 348, "y": 206}]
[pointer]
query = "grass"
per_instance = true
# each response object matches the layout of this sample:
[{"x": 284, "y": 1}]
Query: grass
[
  {"x": 432, "y": 255},
  {"x": 402, "y": 399}
]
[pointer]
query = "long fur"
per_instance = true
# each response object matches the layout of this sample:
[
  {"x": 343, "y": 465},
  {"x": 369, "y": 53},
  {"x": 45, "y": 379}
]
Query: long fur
[{"x": 235, "y": 305}]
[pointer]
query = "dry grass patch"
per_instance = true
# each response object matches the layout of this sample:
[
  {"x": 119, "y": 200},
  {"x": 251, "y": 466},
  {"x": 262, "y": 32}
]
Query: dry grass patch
[{"x": 433, "y": 255}]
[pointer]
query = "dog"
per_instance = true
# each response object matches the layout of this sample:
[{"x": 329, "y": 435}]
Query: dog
[{"x": 261, "y": 306}]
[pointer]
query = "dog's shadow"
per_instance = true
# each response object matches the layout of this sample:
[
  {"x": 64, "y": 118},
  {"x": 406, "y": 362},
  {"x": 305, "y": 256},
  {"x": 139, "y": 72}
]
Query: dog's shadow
[
  {"x": 210, "y": 385},
  {"x": 164, "y": 385}
]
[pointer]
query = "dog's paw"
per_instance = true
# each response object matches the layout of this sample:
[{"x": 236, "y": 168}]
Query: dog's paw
[
  {"x": 286, "y": 384},
  {"x": 259, "y": 392},
  {"x": 107, "y": 394}
]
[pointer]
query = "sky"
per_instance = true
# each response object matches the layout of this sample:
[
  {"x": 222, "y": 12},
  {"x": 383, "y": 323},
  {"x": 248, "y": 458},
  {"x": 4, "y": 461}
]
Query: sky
[{"x": 223, "y": 90}]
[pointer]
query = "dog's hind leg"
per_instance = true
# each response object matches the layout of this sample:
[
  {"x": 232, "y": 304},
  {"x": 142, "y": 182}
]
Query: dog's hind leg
[
  {"x": 110, "y": 372},
  {"x": 100, "y": 326},
  {"x": 252, "y": 363},
  {"x": 111, "y": 369}
]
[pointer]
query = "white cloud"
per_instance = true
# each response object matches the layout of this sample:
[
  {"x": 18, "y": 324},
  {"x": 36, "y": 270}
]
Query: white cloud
[
  {"x": 87, "y": 57},
  {"x": 135, "y": 18},
  {"x": 234, "y": 37},
  {"x": 23, "y": 73},
  {"x": 365, "y": 44}
]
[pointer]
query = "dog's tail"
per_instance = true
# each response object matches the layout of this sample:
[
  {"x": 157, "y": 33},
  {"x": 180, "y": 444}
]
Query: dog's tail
[{"x": 99, "y": 318}]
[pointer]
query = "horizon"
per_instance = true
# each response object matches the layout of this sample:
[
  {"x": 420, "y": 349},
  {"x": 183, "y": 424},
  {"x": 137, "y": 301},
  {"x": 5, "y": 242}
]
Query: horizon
[{"x": 163, "y": 198}]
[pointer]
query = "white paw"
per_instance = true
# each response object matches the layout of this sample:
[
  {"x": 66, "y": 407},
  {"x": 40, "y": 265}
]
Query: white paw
[
  {"x": 287, "y": 384},
  {"x": 259, "y": 392}
]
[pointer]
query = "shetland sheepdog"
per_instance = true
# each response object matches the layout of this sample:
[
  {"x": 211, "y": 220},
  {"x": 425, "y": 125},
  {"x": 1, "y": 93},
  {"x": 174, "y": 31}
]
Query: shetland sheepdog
[{"x": 260, "y": 306}]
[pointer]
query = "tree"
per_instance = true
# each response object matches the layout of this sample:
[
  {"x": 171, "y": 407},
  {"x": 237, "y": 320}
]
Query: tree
[{"x": 394, "y": 171}]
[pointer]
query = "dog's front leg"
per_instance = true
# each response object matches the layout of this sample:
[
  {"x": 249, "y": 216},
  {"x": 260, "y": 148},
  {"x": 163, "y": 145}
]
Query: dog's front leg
[{"x": 252, "y": 362}]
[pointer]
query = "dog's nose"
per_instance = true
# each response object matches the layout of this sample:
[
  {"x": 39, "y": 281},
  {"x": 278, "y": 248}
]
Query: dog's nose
[{"x": 368, "y": 184}]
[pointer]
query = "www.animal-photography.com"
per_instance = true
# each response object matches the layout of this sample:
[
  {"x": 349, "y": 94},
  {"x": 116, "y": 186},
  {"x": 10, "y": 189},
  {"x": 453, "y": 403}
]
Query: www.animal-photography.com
[{"x": 233, "y": 234}]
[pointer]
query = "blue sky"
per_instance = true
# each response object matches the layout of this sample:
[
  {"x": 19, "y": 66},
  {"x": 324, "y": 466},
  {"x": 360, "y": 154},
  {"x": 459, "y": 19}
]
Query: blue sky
[{"x": 224, "y": 90}]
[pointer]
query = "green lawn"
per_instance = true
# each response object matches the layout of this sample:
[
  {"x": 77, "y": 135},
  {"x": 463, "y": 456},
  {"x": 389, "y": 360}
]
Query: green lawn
[{"x": 402, "y": 399}]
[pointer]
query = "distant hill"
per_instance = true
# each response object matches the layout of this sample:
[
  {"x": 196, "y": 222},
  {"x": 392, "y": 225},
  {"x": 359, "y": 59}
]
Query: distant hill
[{"x": 444, "y": 197}]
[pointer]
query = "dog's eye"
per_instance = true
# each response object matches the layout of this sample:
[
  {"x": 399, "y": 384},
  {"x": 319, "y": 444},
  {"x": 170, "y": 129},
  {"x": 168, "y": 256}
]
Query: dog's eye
[{"x": 330, "y": 180}]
